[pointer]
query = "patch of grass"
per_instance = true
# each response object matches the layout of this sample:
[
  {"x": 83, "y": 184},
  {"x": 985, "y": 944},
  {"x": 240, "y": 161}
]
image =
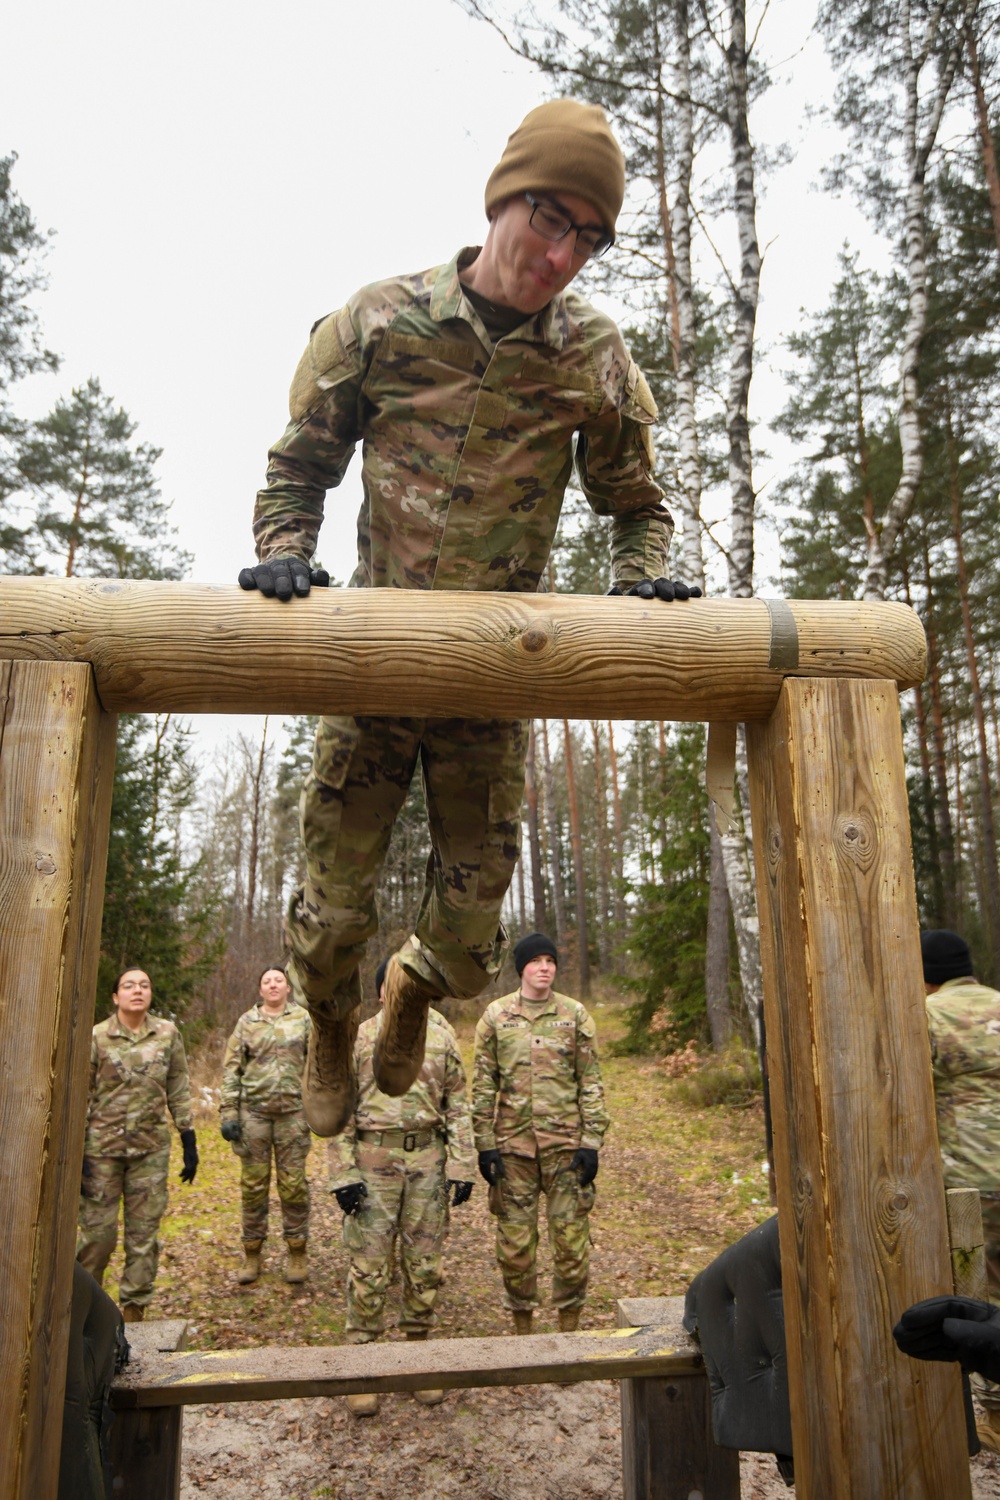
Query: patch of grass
[{"x": 731, "y": 1078}]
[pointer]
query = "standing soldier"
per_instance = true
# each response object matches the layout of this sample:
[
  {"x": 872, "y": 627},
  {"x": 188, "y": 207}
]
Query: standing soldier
[
  {"x": 964, "y": 1021},
  {"x": 538, "y": 1117},
  {"x": 471, "y": 389},
  {"x": 262, "y": 1113},
  {"x": 391, "y": 1170},
  {"x": 138, "y": 1072}
]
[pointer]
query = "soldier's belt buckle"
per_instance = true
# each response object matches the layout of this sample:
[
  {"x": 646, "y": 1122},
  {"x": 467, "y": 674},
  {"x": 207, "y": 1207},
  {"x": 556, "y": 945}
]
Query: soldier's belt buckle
[{"x": 409, "y": 1142}]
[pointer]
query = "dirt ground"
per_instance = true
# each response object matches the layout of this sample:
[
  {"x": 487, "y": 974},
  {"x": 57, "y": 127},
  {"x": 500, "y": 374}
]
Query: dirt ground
[{"x": 531, "y": 1443}]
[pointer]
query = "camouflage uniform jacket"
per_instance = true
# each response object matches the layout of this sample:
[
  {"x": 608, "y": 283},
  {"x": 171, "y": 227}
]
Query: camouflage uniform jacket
[
  {"x": 265, "y": 1056},
  {"x": 135, "y": 1078},
  {"x": 536, "y": 1081},
  {"x": 467, "y": 445},
  {"x": 964, "y": 1021},
  {"x": 436, "y": 1102}
]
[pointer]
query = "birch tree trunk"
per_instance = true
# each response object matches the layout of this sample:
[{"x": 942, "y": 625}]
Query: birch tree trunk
[
  {"x": 555, "y": 838},
  {"x": 535, "y": 835},
  {"x": 619, "y": 859},
  {"x": 917, "y": 146},
  {"x": 583, "y": 937},
  {"x": 602, "y": 871}
]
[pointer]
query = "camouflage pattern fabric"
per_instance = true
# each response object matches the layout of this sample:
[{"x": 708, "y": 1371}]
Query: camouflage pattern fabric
[
  {"x": 964, "y": 1022},
  {"x": 473, "y": 776},
  {"x": 287, "y": 1137},
  {"x": 467, "y": 445},
  {"x": 262, "y": 1067},
  {"x": 536, "y": 1079},
  {"x": 407, "y": 1198},
  {"x": 141, "y": 1181},
  {"x": 514, "y": 1201},
  {"x": 406, "y": 1202},
  {"x": 135, "y": 1079}
]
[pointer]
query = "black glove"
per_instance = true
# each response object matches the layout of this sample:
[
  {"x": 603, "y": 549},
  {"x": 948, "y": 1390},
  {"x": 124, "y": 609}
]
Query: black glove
[
  {"x": 230, "y": 1130},
  {"x": 190, "y": 1146},
  {"x": 350, "y": 1197},
  {"x": 461, "y": 1192},
  {"x": 666, "y": 589},
  {"x": 282, "y": 577},
  {"x": 953, "y": 1328},
  {"x": 491, "y": 1166},
  {"x": 584, "y": 1164}
]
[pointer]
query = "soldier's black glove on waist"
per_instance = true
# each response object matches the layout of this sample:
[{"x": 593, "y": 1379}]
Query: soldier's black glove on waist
[
  {"x": 584, "y": 1164},
  {"x": 190, "y": 1146},
  {"x": 282, "y": 577},
  {"x": 491, "y": 1166},
  {"x": 953, "y": 1328},
  {"x": 230, "y": 1130},
  {"x": 350, "y": 1197},
  {"x": 461, "y": 1192},
  {"x": 666, "y": 589}
]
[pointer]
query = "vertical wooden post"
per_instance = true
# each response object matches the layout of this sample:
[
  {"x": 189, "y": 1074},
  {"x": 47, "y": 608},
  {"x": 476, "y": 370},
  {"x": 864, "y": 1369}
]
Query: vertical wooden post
[
  {"x": 668, "y": 1450},
  {"x": 57, "y": 749},
  {"x": 861, "y": 1204}
]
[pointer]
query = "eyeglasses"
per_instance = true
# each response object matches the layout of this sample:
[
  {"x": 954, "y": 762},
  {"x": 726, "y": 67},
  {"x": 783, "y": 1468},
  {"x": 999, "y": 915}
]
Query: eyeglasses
[{"x": 552, "y": 223}]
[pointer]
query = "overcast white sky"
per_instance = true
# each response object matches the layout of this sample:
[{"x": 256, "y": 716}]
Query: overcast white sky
[{"x": 219, "y": 175}]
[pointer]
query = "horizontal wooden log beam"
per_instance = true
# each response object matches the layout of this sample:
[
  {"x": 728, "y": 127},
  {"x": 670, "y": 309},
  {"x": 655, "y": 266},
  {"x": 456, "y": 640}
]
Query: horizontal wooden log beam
[
  {"x": 272, "y": 1374},
  {"x": 196, "y": 648}
]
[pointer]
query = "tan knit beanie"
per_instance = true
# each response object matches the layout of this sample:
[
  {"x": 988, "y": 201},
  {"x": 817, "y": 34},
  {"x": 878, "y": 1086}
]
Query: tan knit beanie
[{"x": 562, "y": 147}]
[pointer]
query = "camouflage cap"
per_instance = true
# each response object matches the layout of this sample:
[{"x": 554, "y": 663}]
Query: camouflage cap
[{"x": 562, "y": 147}]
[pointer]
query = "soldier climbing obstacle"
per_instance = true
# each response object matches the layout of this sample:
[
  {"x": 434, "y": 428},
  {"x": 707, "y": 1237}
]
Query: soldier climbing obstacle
[{"x": 471, "y": 388}]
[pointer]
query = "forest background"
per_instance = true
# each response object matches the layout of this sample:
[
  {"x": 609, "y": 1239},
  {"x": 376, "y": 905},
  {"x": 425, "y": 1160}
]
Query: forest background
[{"x": 879, "y": 443}]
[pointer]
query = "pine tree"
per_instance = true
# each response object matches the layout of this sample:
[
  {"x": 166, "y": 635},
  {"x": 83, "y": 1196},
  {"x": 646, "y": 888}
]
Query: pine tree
[
  {"x": 22, "y": 351},
  {"x": 99, "y": 512}
]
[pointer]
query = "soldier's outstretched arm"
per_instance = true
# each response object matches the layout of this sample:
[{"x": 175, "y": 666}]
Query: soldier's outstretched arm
[{"x": 309, "y": 458}]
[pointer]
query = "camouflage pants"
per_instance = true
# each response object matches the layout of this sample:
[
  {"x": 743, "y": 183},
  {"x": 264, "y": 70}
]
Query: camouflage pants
[
  {"x": 141, "y": 1182},
  {"x": 473, "y": 779},
  {"x": 514, "y": 1201},
  {"x": 987, "y": 1392},
  {"x": 407, "y": 1202},
  {"x": 287, "y": 1138}
]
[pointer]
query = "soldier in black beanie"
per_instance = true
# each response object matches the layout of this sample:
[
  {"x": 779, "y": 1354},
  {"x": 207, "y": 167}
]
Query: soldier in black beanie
[{"x": 538, "y": 1118}]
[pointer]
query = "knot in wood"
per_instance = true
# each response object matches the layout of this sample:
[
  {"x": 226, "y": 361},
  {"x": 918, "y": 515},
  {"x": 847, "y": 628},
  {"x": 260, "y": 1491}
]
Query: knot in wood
[
  {"x": 44, "y": 864},
  {"x": 535, "y": 638},
  {"x": 855, "y": 834}
]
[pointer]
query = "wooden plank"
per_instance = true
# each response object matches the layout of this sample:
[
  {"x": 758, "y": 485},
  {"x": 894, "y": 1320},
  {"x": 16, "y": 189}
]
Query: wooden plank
[
  {"x": 858, "y": 1173},
  {"x": 195, "y": 648},
  {"x": 967, "y": 1243},
  {"x": 668, "y": 1450},
  {"x": 56, "y": 767},
  {"x": 451, "y": 1364},
  {"x": 145, "y": 1443}
]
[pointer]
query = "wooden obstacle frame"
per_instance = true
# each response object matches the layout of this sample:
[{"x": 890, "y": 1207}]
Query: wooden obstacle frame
[{"x": 862, "y": 1213}]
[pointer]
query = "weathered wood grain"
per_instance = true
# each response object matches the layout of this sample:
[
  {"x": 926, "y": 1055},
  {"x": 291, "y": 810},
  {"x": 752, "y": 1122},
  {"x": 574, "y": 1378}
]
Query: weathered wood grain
[
  {"x": 270, "y": 1374},
  {"x": 145, "y": 1442},
  {"x": 967, "y": 1242},
  {"x": 668, "y": 1451},
  {"x": 195, "y": 648},
  {"x": 861, "y": 1202},
  {"x": 56, "y": 767}
]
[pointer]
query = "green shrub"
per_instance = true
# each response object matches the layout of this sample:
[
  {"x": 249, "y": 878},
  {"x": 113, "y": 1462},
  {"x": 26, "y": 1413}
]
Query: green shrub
[{"x": 731, "y": 1078}]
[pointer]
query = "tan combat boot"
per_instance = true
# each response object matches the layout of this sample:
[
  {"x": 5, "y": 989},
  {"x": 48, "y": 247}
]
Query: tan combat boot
[
  {"x": 330, "y": 1082},
  {"x": 426, "y": 1398},
  {"x": 399, "y": 1050},
  {"x": 522, "y": 1321},
  {"x": 132, "y": 1312},
  {"x": 363, "y": 1406},
  {"x": 988, "y": 1429},
  {"x": 250, "y": 1269},
  {"x": 569, "y": 1319},
  {"x": 297, "y": 1264}
]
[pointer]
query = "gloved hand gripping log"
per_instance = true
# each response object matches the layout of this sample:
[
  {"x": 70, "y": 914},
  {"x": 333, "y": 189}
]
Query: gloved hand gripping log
[{"x": 481, "y": 433}]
